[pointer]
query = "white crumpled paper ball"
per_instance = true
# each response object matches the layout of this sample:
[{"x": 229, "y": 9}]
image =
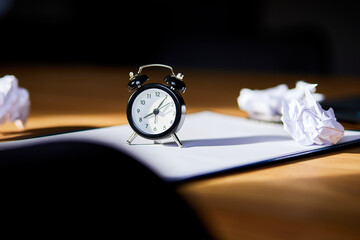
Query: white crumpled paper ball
[
  {"x": 306, "y": 121},
  {"x": 266, "y": 104},
  {"x": 262, "y": 103},
  {"x": 14, "y": 102}
]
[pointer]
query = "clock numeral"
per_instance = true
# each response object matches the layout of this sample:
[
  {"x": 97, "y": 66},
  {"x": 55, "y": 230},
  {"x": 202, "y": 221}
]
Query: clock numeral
[
  {"x": 140, "y": 119},
  {"x": 173, "y": 113},
  {"x": 171, "y": 122},
  {"x": 155, "y": 129},
  {"x": 146, "y": 125},
  {"x": 142, "y": 102},
  {"x": 164, "y": 128},
  {"x": 157, "y": 94},
  {"x": 138, "y": 110},
  {"x": 148, "y": 95}
]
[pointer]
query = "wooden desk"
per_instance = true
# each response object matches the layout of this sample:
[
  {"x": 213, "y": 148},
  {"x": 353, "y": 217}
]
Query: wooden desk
[{"x": 312, "y": 198}]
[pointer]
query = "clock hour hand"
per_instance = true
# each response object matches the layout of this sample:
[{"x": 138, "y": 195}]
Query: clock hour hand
[
  {"x": 148, "y": 115},
  {"x": 155, "y": 112}
]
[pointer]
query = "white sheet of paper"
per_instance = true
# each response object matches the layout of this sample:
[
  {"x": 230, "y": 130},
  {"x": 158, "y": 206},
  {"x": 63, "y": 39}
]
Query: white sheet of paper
[{"x": 211, "y": 143}]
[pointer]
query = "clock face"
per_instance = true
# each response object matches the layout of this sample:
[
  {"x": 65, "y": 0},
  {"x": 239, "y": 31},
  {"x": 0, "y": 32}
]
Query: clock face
[{"x": 155, "y": 111}]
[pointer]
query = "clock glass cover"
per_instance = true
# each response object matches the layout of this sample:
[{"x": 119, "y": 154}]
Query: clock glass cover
[{"x": 153, "y": 112}]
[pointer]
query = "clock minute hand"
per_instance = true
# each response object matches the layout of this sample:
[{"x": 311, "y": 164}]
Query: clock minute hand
[
  {"x": 162, "y": 102},
  {"x": 157, "y": 109}
]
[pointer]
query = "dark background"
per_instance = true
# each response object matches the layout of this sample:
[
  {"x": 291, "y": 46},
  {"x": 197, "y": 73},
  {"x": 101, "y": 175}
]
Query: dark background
[{"x": 320, "y": 37}]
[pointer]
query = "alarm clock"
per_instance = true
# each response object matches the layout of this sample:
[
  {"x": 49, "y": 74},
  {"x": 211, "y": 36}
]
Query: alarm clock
[{"x": 156, "y": 111}]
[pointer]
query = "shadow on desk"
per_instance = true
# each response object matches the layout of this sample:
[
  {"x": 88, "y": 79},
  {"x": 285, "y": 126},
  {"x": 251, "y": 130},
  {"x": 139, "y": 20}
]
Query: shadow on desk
[
  {"x": 40, "y": 132},
  {"x": 83, "y": 189}
]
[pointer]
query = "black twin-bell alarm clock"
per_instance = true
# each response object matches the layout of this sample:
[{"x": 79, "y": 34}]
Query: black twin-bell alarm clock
[{"x": 156, "y": 111}]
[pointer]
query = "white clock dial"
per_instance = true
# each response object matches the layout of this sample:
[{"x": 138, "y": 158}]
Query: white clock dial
[{"x": 153, "y": 111}]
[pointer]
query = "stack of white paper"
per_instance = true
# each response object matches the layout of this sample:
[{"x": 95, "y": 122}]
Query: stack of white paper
[{"x": 211, "y": 143}]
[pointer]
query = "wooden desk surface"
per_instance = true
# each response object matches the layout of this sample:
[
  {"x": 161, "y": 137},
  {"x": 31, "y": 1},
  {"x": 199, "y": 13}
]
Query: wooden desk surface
[{"x": 312, "y": 198}]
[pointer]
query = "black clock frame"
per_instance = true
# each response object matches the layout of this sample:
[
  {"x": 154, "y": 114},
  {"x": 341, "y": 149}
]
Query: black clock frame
[{"x": 179, "y": 105}]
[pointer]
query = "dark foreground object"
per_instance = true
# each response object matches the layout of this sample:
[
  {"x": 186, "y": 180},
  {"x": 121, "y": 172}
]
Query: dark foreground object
[{"x": 87, "y": 190}]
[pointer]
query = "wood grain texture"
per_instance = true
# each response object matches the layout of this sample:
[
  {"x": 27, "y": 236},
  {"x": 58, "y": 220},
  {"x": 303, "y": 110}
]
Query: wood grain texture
[{"x": 310, "y": 198}]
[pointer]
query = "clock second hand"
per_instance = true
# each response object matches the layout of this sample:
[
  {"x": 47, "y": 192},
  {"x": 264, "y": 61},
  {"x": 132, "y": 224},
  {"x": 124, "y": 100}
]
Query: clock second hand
[
  {"x": 164, "y": 106},
  {"x": 162, "y": 102},
  {"x": 157, "y": 111},
  {"x": 150, "y": 115}
]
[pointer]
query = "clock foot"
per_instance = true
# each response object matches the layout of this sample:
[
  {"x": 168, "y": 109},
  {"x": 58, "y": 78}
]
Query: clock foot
[
  {"x": 131, "y": 138},
  {"x": 176, "y": 139}
]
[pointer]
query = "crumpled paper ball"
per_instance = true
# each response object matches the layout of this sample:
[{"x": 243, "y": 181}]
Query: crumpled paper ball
[
  {"x": 14, "y": 102},
  {"x": 306, "y": 121},
  {"x": 266, "y": 104}
]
